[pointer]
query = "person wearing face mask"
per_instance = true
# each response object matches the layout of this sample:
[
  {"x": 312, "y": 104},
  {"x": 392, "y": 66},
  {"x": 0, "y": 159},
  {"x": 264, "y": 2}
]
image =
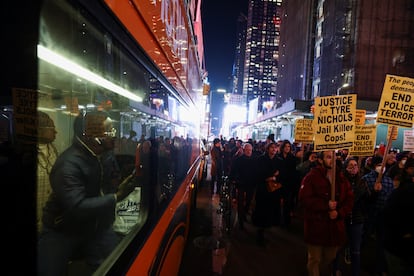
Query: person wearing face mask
[
  {"x": 354, "y": 221},
  {"x": 399, "y": 225},
  {"x": 396, "y": 170},
  {"x": 78, "y": 215},
  {"x": 375, "y": 219}
]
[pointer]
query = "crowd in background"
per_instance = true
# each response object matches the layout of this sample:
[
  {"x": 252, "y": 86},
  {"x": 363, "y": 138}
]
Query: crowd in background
[{"x": 276, "y": 180}]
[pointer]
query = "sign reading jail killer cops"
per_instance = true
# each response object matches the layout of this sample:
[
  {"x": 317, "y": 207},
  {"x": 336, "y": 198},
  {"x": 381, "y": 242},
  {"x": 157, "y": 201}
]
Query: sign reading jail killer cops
[
  {"x": 364, "y": 143},
  {"x": 303, "y": 131},
  {"x": 334, "y": 122},
  {"x": 397, "y": 102},
  {"x": 25, "y": 114}
]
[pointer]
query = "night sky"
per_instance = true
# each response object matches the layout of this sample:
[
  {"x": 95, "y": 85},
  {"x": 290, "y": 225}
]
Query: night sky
[{"x": 219, "y": 18}]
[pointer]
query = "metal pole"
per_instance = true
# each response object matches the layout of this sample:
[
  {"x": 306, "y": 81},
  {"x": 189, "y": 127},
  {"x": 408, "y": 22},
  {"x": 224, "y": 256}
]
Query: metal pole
[
  {"x": 387, "y": 149},
  {"x": 333, "y": 176}
]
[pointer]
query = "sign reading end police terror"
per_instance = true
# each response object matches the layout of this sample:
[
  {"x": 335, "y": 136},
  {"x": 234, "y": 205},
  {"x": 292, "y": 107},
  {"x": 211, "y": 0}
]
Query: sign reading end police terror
[
  {"x": 397, "y": 102},
  {"x": 364, "y": 144},
  {"x": 334, "y": 122}
]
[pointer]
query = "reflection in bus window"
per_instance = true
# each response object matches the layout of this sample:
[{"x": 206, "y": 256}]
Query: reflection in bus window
[
  {"x": 46, "y": 157},
  {"x": 103, "y": 93}
]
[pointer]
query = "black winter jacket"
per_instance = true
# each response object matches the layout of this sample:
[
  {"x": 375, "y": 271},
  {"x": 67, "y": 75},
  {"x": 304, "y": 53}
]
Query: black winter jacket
[{"x": 77, "y": 203}]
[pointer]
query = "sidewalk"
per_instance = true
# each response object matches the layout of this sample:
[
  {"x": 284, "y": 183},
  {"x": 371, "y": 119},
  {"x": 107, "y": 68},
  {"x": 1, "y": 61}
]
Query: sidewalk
[{"x": 209, "y": 251}]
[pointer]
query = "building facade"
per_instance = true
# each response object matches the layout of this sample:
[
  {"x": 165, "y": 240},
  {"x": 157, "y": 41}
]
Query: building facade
[
  {"x": 324, "y": 48},
  {"x": 262, "y": 50}
]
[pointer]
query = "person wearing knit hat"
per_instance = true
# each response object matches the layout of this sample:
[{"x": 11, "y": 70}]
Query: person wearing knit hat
[
  {"x": 409, "y": 164},
  {"x": 375, "y": 161},
  {"x": 46, "y": 157},
  {"x": 402, "y": 155},
  {"x": 396, "y": 170},
  {"x": 46, "y": 132}
]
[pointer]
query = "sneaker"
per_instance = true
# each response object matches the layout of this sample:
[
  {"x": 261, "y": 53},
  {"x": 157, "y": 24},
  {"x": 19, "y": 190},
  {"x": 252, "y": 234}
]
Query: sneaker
[{"x": 347, "y": 256}]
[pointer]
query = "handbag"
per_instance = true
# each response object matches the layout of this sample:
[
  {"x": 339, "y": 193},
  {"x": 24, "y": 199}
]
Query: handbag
[{"x": 272, "y": 186}]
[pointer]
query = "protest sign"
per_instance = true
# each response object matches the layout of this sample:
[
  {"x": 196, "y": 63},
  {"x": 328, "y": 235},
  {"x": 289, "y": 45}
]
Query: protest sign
[
  {"x": 360, "y": 117},
  {"x": 397, "y": 102},
  {"x": 334, "y": 122},
  {"x": 25, "y": 114},
  {"x": 365, "y": 137},
  {"x": 408, "y": 143},
  {"x": 303, "y": 131}
]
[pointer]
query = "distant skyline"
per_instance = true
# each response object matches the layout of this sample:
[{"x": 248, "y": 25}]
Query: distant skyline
[{"x": 219, "y": 20}]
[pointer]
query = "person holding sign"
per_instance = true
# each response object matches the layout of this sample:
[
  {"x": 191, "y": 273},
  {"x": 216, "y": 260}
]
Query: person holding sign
[
  {"x": 381, "y": 190},
  {"x": 324, "y": 213}
]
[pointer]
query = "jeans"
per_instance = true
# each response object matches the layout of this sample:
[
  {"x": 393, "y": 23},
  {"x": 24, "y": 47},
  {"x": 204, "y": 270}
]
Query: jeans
[{"x": 354, "y": 232}]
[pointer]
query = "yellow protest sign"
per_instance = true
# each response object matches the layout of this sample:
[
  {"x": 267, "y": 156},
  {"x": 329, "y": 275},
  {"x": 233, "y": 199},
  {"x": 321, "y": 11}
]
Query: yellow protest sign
[
  {"x": 365, "y": 137},
  {"x": 94, "y": 124},
  {"x": 394, "y": 135},
  {"x": 397, "y": 102},
  {"x": 303, "y": 131},
  {"x": 334, "y": 122},
  {"x": 25, "y": 114},
  {"x": 360, "y": 117},
  {"x": 72, "y": 105}
]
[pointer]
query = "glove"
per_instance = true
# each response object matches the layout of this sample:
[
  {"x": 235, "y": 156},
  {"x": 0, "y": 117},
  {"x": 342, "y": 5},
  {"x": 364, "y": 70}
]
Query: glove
[{"x": 125, "y": 188}]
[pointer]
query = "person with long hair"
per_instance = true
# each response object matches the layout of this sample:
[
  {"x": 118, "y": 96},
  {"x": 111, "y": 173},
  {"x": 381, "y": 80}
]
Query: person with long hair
[
  {"x": 265, "y": 212},
  {"x": 354, "y": 221}
]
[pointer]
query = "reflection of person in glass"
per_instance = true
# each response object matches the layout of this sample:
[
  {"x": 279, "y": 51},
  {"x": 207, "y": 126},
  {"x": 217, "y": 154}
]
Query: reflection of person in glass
[
  {"x": 76, "y": 218},
  {"x": 46, "y": 156}
]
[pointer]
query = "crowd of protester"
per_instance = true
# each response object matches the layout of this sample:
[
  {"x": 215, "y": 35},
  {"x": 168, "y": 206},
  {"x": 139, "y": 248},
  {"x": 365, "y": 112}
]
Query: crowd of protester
[{"x": 371, "y": 200}]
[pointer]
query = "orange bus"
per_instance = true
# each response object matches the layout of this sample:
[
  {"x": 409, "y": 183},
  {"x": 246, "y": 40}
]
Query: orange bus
[{"x": 140, "y": 62}]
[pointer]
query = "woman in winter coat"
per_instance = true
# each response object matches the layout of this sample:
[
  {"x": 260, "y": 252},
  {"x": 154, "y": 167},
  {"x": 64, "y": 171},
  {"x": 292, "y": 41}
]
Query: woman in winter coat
[{"x": 265, "y": 212}]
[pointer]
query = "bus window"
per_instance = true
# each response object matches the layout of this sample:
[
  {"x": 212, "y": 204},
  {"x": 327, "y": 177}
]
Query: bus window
[{"x": 85, "y": 69}]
